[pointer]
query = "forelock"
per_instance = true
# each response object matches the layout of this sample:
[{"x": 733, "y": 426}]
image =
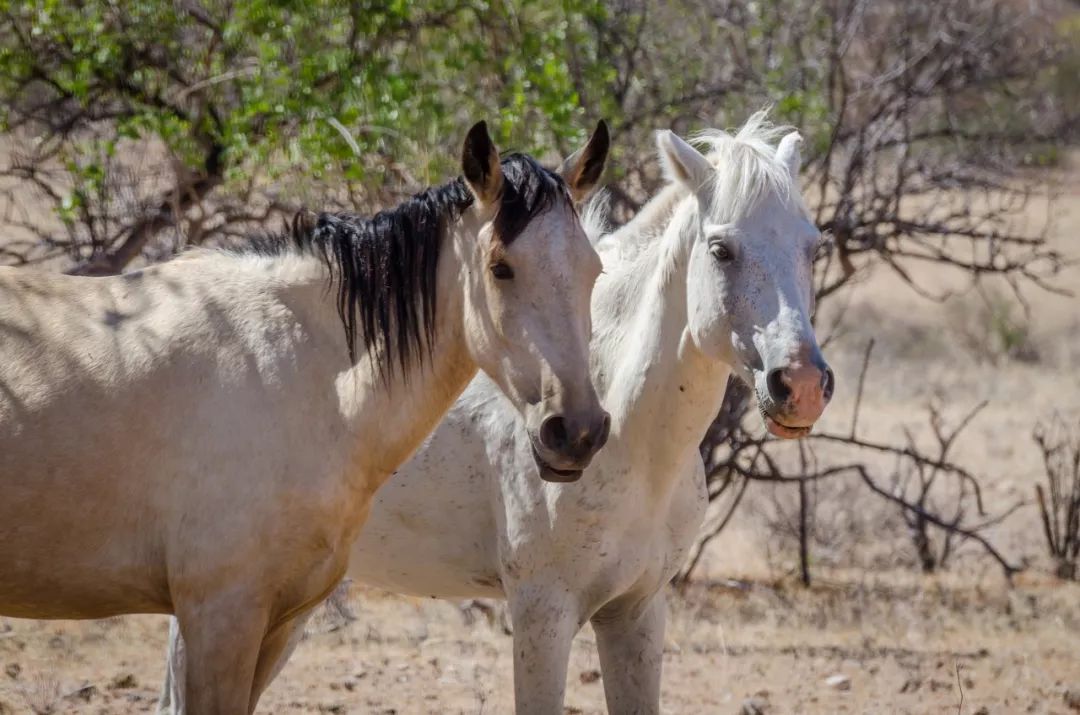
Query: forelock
[
  {"x": 528, "y": 190},
  {"x": 747, "y": 168}
]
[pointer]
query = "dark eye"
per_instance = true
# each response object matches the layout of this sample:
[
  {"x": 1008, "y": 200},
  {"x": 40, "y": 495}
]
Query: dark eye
[
  {"x": 502, "y": 271},
  {"x": 721, "y": 251}
]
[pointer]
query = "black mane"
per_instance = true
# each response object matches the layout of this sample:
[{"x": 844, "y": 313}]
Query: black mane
[{"x": 384, "y": 267}]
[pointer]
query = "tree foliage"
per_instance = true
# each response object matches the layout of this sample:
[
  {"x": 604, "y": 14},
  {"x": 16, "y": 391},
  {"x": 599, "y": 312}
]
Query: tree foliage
[{"x": 249, "y": 100}]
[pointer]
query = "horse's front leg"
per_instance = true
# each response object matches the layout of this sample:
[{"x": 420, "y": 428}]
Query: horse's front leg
[
  {"x": 223, "y": 636},
  {"x": 276, "y": 649},
  {"x": 631, "y": 646},
  {"x": 545, "y": 619}
]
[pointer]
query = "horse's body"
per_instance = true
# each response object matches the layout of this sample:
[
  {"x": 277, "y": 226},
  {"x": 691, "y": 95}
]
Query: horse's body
[
  {"x": 195, "y": 438},
  {"x": 673, "y": 316}
]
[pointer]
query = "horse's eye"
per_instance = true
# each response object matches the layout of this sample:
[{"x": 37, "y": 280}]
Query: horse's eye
[
  {"x": 502, "y": 271},
  {"x": 720, "y": 251}
]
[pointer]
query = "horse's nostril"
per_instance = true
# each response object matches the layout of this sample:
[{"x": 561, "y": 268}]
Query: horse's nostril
[
  {"x": 553, "y": 433},
  {"x": 828, "y": 383},
  {"x": 778, "y": 390}
]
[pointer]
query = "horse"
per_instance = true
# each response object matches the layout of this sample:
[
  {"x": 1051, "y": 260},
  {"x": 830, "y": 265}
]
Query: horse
[
  {"x": 711, "y": 278},
  {"x": 203, "y": 437}
]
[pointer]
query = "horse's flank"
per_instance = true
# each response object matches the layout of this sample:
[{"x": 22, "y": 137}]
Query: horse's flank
[{"x": 126, "y": 400}]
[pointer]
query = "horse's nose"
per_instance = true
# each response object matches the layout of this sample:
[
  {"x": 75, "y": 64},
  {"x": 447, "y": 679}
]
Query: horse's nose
[
  {"x": 575, "y": 439},
  {"x": 803, "y": 389}
]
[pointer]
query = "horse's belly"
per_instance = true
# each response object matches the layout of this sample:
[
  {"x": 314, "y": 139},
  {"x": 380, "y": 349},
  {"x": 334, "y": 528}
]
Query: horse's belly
[
  {"x": 418, "y": 543},
  {"x": 76, "y": 571},
  {"x": 436, "y": 564},
  {"x": 76, "y": 539},
  {"x": 440, "y": 577},
  {"x": 46, "y": 596}
]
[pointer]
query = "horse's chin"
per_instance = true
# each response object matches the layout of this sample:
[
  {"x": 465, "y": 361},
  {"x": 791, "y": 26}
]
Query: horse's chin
[
  {"x": 559, "y": 476},
  {"x": 550, "y": 474},
  {"x": 783, "y": 431}
]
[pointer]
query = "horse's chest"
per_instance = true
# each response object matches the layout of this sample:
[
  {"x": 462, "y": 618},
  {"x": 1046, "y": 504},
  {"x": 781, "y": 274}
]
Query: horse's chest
[
  {"x": 611, "y": 534},
  {"x": 611, "y": 551},
  {"x": 648, "y": 538}
]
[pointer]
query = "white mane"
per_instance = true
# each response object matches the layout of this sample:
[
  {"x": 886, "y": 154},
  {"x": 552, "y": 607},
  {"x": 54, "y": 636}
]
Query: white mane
[
  {"x": 594, "y": 216},
  {"x": 747, "y": 170}
]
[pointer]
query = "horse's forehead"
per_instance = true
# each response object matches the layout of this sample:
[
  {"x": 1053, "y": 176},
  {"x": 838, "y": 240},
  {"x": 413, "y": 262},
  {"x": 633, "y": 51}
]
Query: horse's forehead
[
  {"x": 556, "y": 245},
  {"x": 777, "y": 220},
  {"x": 551, "y": 233}
]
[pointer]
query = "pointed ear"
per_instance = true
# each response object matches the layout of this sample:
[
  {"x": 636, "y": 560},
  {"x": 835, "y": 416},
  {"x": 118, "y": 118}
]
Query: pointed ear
[
  {"x": 480, "y": 165},
  {"x": 788, "y": 152},
  {"x": 682, "y": 162},
  {"x": 583, "y": 168}
]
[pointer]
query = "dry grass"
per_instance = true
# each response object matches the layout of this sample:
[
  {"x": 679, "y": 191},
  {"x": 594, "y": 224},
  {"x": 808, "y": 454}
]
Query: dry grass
[{"x": 899, "y": 639}]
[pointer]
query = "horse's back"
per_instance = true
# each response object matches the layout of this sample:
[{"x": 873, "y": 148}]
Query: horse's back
[
  {"x": 44, "y": 327},
  {"x": 72, "y": 347}
]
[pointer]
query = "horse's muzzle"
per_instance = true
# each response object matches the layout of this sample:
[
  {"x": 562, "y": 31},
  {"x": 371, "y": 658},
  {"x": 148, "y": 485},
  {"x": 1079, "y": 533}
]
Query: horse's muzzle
[{"x": 564, "y": 447}]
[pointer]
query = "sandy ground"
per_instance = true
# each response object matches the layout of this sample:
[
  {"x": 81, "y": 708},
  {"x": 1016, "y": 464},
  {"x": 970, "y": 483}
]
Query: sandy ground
[
  {"x": 746, "y": 636},
  {"x": 900, "y": 645}
]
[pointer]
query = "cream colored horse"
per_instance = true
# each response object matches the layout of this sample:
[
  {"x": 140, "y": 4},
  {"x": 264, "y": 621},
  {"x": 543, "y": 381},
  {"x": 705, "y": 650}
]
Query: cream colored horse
[{"x": 195, "y": 437}]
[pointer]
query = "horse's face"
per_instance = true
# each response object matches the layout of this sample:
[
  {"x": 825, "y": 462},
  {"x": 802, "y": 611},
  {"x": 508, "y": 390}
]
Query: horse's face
[
  {"x": 750, "y": 291},
  {"x": 529, "y": 285}
]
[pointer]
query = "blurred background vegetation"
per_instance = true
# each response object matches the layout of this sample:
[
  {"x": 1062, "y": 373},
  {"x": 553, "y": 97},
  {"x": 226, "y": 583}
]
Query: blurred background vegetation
[{"x": 136, "y": 127}]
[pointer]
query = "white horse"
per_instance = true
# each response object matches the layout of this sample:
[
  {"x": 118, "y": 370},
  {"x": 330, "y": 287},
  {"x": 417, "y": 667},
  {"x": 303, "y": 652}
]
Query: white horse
[
  {"x": 197, "y": 438},
  {"x": 712, "y": 276}
]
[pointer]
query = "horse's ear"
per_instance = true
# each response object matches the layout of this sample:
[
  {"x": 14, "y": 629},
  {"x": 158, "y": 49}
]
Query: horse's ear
[
  {"x": 480, "y": 164},
  {"x": 682, "y": 162},
  {"x": 788, "y": 152},
  {"x": 583, "y": 168}
]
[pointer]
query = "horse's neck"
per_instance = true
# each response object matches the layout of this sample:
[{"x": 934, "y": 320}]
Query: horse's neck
[
  {"x": 391, "y": 417},
  {"x": 661, "y": 391}
]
